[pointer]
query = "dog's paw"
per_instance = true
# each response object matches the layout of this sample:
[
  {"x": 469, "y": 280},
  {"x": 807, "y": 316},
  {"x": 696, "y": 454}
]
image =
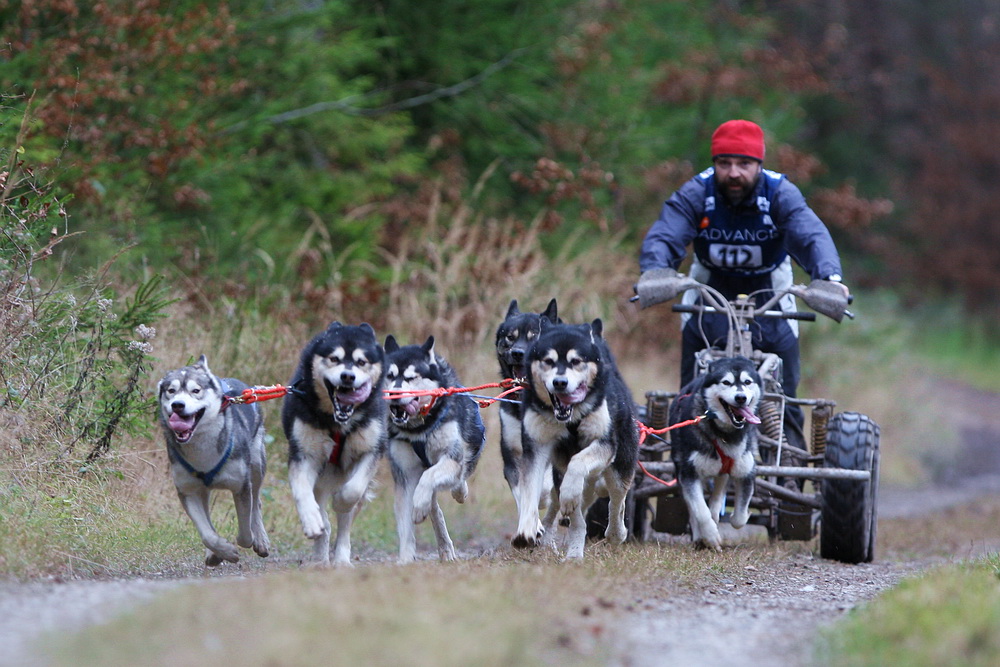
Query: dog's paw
[
  {"x": 616, "y": 532},
  {"x": 708, "y": 544},
  {"x": 312, "y": 524},
  {"x": 420, "y": 513},
  {"x": 522, "y": 541},
  {"x": 262, "y": 547},
  {"x": 567, "y": 511},
  {"x": 222, "y": 551},
  {"x": 422, "y": 500},
  {"x": 461, "y": 492}
]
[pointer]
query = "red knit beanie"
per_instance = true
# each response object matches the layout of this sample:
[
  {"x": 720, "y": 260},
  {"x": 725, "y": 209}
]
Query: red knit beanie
[{"x": 738, "y": 137}]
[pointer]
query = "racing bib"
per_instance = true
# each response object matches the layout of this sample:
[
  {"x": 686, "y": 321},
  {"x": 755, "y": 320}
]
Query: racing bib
[{"x": 732, "y": 256}]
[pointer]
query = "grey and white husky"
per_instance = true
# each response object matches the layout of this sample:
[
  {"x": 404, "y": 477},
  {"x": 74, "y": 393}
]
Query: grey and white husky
[
  {"x": 213, "y": 443},
  {"x": 578, "y": 415},
  {"x": 719, "y": 448},
  {"x": 514, "y": 337},
  {"x": 336, "y": 430},
  {"x": 434, "y": 444}
]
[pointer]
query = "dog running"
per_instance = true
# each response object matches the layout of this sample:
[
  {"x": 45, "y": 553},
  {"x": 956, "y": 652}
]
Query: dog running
[
  {"x": 514, "y": 337},
  {"x": 434, "y": 442},
  {"x": 718, "y": 448},
  {"x": 213, "y": 443},
  {"x": 335, "y": 422},
  {"x": 579, "y": 416}
]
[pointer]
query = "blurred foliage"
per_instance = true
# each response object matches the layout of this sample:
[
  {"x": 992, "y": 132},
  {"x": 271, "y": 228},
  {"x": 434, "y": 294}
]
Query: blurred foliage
[{"x": 260, "y": 144}]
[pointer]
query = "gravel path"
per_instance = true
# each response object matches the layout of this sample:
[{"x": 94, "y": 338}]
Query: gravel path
[{"x": 771, "y": 613}]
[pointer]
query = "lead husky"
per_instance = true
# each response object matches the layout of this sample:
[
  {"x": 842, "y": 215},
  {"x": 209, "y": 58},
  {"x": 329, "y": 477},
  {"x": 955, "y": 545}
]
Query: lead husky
[
  {"x": 335, "y": 425},
  {"x": 720, "y": 447},
  {"x": 214, "y": 444},
  {"x": 514, "y": 337},
  {"x": 578, "y": 415},
  {"x": 434, "y": 444}
]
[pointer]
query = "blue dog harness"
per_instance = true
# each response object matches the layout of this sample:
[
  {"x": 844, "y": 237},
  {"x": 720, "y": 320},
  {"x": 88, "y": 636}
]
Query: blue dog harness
[
  {"x": 420, "y": 446},
  {"x": 209, "y": 476}
]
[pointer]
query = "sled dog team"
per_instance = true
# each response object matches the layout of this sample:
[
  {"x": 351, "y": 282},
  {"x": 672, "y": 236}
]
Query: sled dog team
[{"x": 571, "y": 437}]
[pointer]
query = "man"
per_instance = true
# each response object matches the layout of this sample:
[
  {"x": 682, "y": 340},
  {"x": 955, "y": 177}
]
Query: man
[{"x": 746, "y": 224}]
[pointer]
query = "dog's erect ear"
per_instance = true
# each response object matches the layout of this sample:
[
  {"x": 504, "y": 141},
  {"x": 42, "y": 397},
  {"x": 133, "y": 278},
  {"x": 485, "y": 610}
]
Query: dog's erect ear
[
  {"x": 367, "y": 328},
  {"x": 512, "y": 310},
  {"x": 203, "y": 362},
  {"x": 390, "y": 344},
  {"x": 551, "y": 311},
  {"x": 428, "y": 348},
  {"x": 544, "y": 324},
  {"x": 334, "y": 325},
  {"x": 597, "y": 329}
]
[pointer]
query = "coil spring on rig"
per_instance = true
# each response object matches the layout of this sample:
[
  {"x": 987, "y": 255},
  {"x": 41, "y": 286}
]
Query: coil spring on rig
[
  {"x": 658, "y": 409},
  {"x": 770, "y": 419},
  {"x": 820, "y": 417}
]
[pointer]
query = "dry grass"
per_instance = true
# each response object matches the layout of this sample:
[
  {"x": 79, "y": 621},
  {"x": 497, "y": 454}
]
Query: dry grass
[{"x": 452, "y": 276}]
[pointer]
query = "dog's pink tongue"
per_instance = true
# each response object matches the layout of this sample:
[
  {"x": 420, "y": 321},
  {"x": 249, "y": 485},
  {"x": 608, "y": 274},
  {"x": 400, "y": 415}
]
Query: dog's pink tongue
[
  {"x": 412, "y": 408},
  {"x": 748, "y": 415},
  {"x": 576, "y": 396},
  {"x": 180, "y": 423},
  {"x": 355, "y": 396}
]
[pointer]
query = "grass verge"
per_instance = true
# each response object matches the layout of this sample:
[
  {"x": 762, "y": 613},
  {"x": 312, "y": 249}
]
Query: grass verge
[{"x": 948, "y": 616}]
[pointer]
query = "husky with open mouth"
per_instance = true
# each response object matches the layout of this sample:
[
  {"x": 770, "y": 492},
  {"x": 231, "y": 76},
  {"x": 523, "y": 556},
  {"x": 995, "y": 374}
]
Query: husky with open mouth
[
  {"x": 335, "y": 424},
  {"x": 515, "y": 336},
  {"x": 719, "y": 448},
  {"x": 434, "y": 442},
  {"x": 213, "y": 443},
  {"x": 579, "y": 416}
]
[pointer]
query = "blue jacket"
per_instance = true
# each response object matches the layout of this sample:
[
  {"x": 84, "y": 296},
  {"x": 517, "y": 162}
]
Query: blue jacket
[{"x": 744, "y": 241}]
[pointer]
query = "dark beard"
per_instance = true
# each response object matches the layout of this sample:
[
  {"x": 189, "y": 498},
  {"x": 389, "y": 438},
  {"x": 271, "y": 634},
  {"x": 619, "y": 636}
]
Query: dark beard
[{"x": 740, "y": 197}]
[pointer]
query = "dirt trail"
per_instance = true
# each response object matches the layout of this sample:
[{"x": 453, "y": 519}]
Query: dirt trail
[{"x": 771, "y": 613}]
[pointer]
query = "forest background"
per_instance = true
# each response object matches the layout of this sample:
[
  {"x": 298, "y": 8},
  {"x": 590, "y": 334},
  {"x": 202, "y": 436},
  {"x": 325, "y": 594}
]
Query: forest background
[
  {"x": 238, "y": 174},
  {"x": 268, "y": 147}
]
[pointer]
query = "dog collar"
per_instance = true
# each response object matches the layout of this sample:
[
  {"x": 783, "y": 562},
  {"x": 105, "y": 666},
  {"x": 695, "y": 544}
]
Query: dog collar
[
  {"x": 206, "y": 477},
  {"x": 727, "y": 460},
  {"x": 338, "y": 446}
]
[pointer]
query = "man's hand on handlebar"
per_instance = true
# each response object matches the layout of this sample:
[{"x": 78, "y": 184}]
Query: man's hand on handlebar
[
  {"x": 829, "y": 298},
  {"x": 659, "y": 285}
]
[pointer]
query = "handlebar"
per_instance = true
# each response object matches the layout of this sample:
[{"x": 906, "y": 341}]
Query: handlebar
[
  {"x": 791, "y": 315},
  {"x": 822, "y": 296}
]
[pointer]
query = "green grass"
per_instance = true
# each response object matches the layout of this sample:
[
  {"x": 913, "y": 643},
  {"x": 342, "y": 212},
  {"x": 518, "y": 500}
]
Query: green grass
[
  {"x": 970, "y": 352},
  {"x": 949, "y": 616}
]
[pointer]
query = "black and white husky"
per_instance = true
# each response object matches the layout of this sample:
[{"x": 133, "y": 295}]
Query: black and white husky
[
  {"x": 336, "y": 430},
  {"x": 515, "y": 335},
  {"x": 434, "y": 443},
  {"x": 719, "y": 448},
  {"x": 578, "y": 415},
  {"x": 213, "y": 443}
]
